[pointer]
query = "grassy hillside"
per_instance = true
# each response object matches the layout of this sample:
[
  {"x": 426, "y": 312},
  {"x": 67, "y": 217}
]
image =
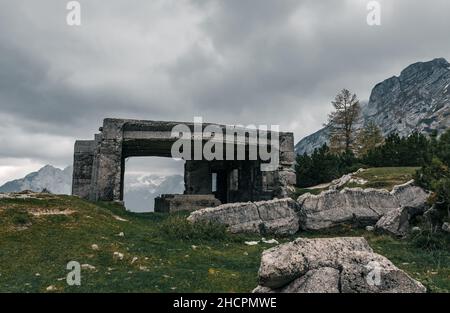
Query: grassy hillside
[
  {"x": 377, "y": 177},
  {"x": 385, "y": 177},
  {"x": 38, "y": 237}
]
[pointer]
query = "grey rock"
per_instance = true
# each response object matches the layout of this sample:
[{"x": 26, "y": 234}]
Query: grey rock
[
  {"x": 356, "y": 205},
  {"x": 446, "y": 227},
  {"x": 417, "y": 100},
  {"x": 366, "y": 272},
  {"x": 334, "y": 207},
  {"x": 345, "y": 264},
  {"x": 321, "y": 280},
  {"x": 370, "y": 228},
  {"x": 278, "y": 216},
  {"x": 284, "y": 263},
  {"x": 409, "y": 195},
  {"x": 416, "y": 229},
  {"x": 412, "y": 201},
  {"x": 395, "y": 222}
]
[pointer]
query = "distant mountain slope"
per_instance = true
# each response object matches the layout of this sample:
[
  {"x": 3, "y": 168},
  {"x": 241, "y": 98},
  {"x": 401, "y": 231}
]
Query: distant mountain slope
[
  {"x": 141, "y": 190},
  {"x": 53, "y": 179},
  {"x": 418, "y": 99}
]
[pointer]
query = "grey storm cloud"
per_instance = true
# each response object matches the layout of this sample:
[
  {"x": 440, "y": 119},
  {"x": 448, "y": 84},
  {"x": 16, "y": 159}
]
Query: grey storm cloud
[{"x": 233, "y": 61}]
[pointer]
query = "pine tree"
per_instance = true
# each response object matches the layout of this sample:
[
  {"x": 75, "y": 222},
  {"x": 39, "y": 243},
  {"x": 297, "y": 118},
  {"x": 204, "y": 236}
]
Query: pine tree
[
  {"x": 368, "y": 138},
  {"x": 341, "y": 122}
]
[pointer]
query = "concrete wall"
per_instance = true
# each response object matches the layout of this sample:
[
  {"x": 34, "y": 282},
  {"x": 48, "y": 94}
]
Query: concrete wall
[
  {"x": 83, "y": 159},
  {"x": 99, "y": 164}
]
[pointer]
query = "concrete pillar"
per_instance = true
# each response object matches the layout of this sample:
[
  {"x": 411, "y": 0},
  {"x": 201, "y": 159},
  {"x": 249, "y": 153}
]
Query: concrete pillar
[
  {"x": 82, "y": 168},
  {"x": 108, "y": 163}
]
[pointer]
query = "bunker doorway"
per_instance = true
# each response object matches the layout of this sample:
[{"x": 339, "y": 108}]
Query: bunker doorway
[{"x": 146, "y": 178}]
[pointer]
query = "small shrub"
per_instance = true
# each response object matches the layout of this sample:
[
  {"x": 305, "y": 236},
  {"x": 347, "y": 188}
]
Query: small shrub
[
  {"x": 20, "y": 218},
  {"x": 179, "y": 228},
  {"x": 431, "y": 240}
]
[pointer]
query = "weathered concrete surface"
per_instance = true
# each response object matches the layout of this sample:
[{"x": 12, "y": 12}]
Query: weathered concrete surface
[
  {"x": 356, "y": 205},
  {"x": 264, "y": 217},
  {"x": 343, "y": 264},
  {"x": 176, "y": 203}
]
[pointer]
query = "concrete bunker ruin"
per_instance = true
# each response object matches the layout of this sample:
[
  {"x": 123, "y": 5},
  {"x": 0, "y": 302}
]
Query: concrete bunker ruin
[{"x": 99, "y": 165}]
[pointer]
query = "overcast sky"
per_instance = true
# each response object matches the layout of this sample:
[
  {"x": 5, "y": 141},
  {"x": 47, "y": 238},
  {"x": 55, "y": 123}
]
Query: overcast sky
[{"x": 230, "y": 61}]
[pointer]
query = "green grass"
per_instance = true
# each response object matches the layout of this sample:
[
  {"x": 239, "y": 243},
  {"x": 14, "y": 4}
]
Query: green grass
[
  {"x": 172, "y": 255},
  {"x": 300, "y": 191},
  {"x": 385, "y": 177}
]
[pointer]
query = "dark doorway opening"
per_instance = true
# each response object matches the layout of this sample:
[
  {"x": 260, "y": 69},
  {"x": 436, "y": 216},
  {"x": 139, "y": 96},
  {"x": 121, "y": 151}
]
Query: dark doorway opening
[{"x": 146, "y": 178}]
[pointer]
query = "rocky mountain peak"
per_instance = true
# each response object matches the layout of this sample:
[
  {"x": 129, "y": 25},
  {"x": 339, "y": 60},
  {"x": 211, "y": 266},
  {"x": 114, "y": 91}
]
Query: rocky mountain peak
[
  {"x": 50, "y": 178},
  {"x": 416, "y": 100}
]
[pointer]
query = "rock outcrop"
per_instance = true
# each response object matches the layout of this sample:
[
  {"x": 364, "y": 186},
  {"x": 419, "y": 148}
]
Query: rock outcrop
[
  {"x": 278, "y": 216},
  {"x": 413, "y": 202},
  {"x": 395, "y": 222},
  {"x": 331, "y": 265},
  {"x": 417, "y": 100},
  {"x": 363, "y": 207},
  {"x": 356, "y": 205}
]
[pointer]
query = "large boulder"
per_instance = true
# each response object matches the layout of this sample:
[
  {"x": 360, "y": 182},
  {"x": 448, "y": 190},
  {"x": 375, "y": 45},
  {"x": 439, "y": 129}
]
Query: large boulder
[
  {"x": 278, "y": 216},
  {"x": 412, "y": 201},
  {"x": 345, "y": 264},
  {"x": 395, "y": 222},
  {"x": 356, "y": 205},
  {"x": 411, "y": 196}
]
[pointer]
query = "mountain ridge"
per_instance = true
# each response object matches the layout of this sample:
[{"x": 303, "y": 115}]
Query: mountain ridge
[
  {"x": 416, "y": 100},
  {"x": 140, "y": 189},
  {"x": 53, "y": 179}
]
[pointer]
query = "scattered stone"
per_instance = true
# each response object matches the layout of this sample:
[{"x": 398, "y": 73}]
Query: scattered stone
[
  {"x": 51, "y": 288},
  {"x": 251, "y": 243},
  {"x": 446, "y": 227},
  {"x": 118, "y": 255},
  {"x": 277, "y": 216},
  {"x": 134, "y": 260},
  {"x": 271, "y": 241},
  {"x": 118, "y": 218},
  {"x": 343, "y": 264},
  {"x": 88, "y": 267},
  {"x": 194, "y": 247},
  {"x": 121, "y": 234},
  {"x": 94, "y": 246},
  {"x": 416, "y": 229},
  {"x": 370, "y": 228},
  {"x": 37, "y": 274}
]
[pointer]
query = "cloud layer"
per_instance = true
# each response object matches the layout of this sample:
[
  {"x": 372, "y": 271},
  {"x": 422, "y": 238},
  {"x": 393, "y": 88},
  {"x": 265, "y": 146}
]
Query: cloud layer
[{"x": 234, "y": 61}]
